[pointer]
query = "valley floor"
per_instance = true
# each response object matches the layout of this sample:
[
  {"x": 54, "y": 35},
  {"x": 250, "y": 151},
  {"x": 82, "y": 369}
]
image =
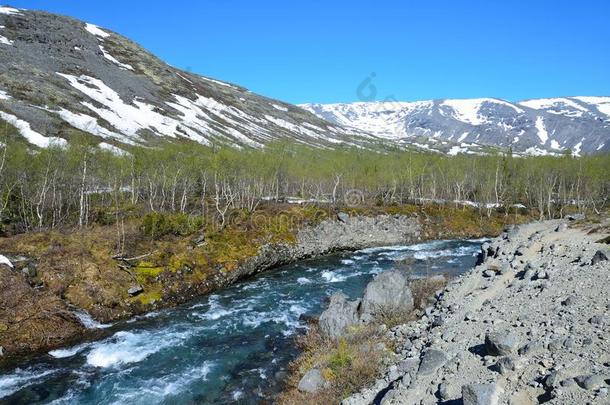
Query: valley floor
[{"x": 529, "y": 325}]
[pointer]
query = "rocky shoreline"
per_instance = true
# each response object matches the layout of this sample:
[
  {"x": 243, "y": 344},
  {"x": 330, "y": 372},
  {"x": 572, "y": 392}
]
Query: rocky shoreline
[
  {"x": 528, "y": 325},
  {"x": 54, "y": 323}
]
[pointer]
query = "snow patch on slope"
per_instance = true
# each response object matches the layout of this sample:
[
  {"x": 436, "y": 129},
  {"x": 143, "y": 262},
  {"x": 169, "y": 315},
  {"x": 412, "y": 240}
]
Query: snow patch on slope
[
  {"x": 601, "y": 103},
  {"x": 467, "y": 110},
  {"x": 127, "y": 118},
  {"x": 28, "y": 133},
  {"x": 542, "y": 132},
  {"x": 9, "y": 11},
  {"x": 113, "y": 59},
  {"x": 4, "y": 95},
  {"x": 97, "y": 31}
]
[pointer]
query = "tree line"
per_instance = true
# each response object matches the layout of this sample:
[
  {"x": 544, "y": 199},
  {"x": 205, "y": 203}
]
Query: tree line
[{"x": 82, "y": 184}]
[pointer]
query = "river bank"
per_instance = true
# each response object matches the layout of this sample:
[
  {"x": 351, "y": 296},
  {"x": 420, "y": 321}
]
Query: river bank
[
  {"x": 232, "y": 346},
  {"x": 59, "y": 277},
  {"x": 528, "y": 325}
]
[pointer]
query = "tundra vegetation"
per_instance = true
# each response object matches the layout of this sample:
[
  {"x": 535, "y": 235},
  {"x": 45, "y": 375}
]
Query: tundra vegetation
[
  {"x": 82, "y": 185},
  {"x": 176, "y": 220}
]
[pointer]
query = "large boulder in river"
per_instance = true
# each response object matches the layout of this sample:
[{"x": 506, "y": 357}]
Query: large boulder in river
[
  {"x": 340, "y": 315},
  {"x": 389, "y": 292}
]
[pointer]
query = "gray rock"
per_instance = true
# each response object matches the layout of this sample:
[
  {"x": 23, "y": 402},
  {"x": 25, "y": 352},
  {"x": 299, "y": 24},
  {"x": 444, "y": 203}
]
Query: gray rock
[
  {"x": 135, "y": 290},
  {"x": 575, "y": 217},
  {"x": 601, "y": 320},
  {"x": 431, "y": 361},
  {"x": 599, "y": 257},
  {"x": 505, "y": 365},
  {"x": 489, "y": 273},
  {"x": 29, "y": 271},
  {"x": 481, "y": 394},
  {"x": 501, "y": 343},
  {"x": 199, "y": 239},
  {"x": 590, "y": 382},
  {"x": 343, "y": 217},
  {"x": 443, "y": 391},
  {"x": 531, "y": 348},
  {"x": 312, "y": 381},
  {"x": 1, "y": 351},
  {"x": 561, "y": 227},
  {"x": 408, "y": 366},
  {"x": 340, "y": 315},
  {"x": 388, "y": 292}
]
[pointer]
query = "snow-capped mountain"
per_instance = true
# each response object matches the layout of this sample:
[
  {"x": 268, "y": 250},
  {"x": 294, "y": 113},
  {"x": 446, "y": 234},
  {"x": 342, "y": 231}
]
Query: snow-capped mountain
[
  {"x": 543, "y": 126},
  {"x": 60, "y": 77}
]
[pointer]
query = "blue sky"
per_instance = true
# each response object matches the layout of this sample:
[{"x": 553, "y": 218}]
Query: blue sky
[{"x": 322, "y": 51}]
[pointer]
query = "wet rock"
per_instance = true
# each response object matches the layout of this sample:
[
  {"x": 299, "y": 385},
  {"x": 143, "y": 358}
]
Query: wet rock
[
  {"x": 340, "y": 315},
  {"x": 501, "y": 343},
  {"x": 135, "y": 290},
  {"x": 480, "y": 394},
  {"x": 388, "y": 292},
  {"x": 312, "y": 381},
  {"x": 599, "y": 257},
  {"x": 431, "y": 361},
  {"x": 343, "y": 217}
]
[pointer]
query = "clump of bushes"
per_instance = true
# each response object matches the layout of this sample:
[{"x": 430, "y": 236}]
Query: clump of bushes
[{"x": 156, "y": 225}]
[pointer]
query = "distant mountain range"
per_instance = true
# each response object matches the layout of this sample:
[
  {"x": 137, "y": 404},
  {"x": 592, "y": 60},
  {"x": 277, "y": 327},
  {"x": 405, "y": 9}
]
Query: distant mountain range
[
  {"x": 537, "y": 127},
  {"x": 61, "y": 78}
]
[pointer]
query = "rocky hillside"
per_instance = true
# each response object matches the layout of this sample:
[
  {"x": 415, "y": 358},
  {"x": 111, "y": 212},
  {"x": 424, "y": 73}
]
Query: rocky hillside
[
  {"x": 529, "y": 325},
  {"x": 533, "y": 127},
  {"x": 60, "y": 77}
]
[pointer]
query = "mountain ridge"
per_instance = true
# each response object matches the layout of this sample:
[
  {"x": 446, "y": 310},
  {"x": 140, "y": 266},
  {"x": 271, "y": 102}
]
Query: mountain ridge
[
  {"x": 60, "y": 76},
  {"x": 579, "y": 124}
]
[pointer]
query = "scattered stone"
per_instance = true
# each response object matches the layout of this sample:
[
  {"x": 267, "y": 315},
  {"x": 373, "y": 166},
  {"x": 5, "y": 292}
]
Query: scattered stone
[
  {"x": 590, "y": 382},
  {"x": 431, "y": 361},
  {"x": 561, "y": 227},
  {"x": 135, "y": 290},
  {"x": 199, "y": 240},
  {"x": 481, "y": 394},
  {"x": 575, "y": 217},
  {"x": 501, "y": 343},
  {"x": 340, "y": 314},
  {"x": 343, "y": 217},
  {"x": 29, "y": 271},
  {"x": 599, "y": 257},
  {"x": 506, "y": 364},
  {"x": 521, "y": 250},
  {"x": 312, "y": 381},
  {"x": 601, "y": 320},
  {"x": 568, "y": 301},
  {"x": 489, "y": 273}
]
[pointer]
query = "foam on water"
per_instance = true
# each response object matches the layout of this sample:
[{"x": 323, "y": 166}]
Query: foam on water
[
  {"x": 129, "y": 347},
  {"x": 19, "y": 379}
]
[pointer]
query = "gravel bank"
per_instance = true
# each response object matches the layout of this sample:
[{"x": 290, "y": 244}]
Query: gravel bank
[{"x": 529, "y": 325}]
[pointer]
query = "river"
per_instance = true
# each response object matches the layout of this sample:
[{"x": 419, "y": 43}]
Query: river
[{"x": 230, "y": 347}]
